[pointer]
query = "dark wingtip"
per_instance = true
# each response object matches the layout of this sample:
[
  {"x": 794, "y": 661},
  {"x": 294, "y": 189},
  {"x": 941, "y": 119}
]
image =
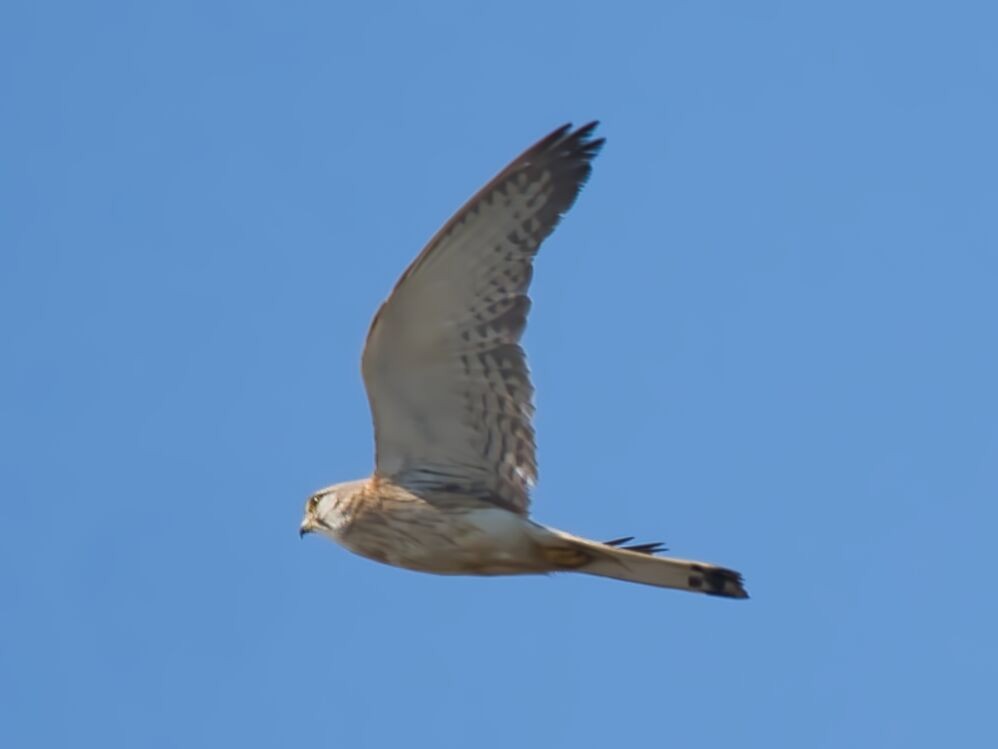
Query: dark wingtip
[
  {"x": 579, "y": 139},
  {"x": 583, "y": 137},
  {"x": 559, "y": 132},
  {"x": 653, "y": 547},
  {"x": 619, "y": 541}
]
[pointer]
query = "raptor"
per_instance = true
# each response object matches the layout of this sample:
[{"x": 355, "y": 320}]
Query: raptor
[{"x": 452, "y": 402}]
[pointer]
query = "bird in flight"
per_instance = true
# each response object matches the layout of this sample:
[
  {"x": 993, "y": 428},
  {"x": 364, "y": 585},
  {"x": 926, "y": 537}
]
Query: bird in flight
[{"x": 452, "y": 402}]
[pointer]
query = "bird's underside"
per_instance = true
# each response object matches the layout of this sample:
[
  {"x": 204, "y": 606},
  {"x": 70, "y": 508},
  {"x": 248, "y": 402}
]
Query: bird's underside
[
  {"x": 452, "y": 402},
  {"x": 449, "y": 533}
]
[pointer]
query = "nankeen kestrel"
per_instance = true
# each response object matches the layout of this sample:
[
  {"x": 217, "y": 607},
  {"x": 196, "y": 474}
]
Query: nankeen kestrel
[{"x": 451, "y": 398}]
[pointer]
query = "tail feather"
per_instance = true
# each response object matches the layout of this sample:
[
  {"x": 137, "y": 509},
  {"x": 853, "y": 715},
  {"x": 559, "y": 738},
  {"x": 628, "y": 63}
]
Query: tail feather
[{"x": 637, "y": 564}]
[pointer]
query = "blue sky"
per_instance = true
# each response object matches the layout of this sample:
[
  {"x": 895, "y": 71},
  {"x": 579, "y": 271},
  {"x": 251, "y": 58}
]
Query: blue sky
[{"x": 766, "y": 335}]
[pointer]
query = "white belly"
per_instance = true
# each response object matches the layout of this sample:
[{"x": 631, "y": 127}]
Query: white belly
[{"x": 421, "y": 536}]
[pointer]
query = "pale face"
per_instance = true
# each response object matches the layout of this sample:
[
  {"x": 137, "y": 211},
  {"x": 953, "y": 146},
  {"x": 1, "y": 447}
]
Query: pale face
[
  {"x": 317, "y": 506},
  {"x": 324, "y": 509}
]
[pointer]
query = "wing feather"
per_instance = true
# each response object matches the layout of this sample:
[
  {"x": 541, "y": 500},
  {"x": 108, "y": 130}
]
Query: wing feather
[{"x": 446, "y": 378}]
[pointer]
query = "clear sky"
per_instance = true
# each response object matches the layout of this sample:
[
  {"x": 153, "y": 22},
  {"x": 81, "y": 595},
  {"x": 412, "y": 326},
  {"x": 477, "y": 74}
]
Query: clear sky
[{"x": 767, "y": 334}]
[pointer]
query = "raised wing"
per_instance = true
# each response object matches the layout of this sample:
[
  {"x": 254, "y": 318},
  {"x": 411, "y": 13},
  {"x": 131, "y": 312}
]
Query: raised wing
[{"x": 445, "y": 374}]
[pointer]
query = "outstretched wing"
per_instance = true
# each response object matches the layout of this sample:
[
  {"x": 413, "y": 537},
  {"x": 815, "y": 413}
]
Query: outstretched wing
[{"x": 445, "y": 374}]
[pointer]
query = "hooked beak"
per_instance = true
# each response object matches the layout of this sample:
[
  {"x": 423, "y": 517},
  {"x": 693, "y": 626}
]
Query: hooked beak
[{"x": 305, "y": 527}]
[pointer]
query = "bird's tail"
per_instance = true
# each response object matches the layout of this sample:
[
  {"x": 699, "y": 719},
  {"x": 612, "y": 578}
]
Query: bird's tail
[{"x": 638, "y": 564}]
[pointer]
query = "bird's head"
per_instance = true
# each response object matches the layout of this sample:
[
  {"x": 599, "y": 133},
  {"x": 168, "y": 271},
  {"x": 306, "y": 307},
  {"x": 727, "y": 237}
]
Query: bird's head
[
  {"x": 324, "y": 510},
  {"x": 317, "y": 507}
]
